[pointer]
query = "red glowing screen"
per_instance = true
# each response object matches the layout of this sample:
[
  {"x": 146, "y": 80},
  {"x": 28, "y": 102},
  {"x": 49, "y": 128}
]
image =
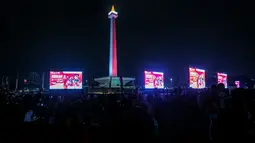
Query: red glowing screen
[
  {"x": 65, "y": 80},
  {"x": 153, "y": 79},
  {"x": 237, "y": 83},
  {"x": 196, "y": 78},
  {"x": 223, "y": 78}
]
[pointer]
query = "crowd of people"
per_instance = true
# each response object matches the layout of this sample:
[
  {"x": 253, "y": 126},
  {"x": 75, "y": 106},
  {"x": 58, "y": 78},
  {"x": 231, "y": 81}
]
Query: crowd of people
[{"x": 212, "y": 114}]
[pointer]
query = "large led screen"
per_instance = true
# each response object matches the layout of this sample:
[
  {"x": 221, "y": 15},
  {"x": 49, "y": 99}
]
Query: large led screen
[
  {"x": 65, "y": 80},
  {"x": 196, "y": 78},
  {"x": 237, "y": 83},
  {"x": 153, "y": 79},
  {"x": 223, "y": 78}
]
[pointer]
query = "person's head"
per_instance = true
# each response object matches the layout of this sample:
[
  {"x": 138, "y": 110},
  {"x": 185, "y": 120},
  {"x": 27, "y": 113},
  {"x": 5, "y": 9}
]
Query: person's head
[
  {"x": 214, "y": 89},
  {"x": 221, "y": 86}
]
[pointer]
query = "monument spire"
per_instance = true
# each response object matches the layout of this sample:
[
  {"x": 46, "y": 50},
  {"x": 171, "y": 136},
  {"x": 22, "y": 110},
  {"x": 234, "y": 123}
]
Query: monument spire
[{"x": 113, "y": 9}]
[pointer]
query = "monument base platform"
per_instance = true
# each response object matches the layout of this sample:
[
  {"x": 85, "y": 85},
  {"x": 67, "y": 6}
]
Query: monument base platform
[{"x": 113, "y": 85}]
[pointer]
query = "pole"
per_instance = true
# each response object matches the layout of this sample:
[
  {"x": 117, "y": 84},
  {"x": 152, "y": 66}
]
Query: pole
[
  {"x": 43, "y": 80},
  {"x": 17, "y": 82},
  {"x": 7, "y": 83}
]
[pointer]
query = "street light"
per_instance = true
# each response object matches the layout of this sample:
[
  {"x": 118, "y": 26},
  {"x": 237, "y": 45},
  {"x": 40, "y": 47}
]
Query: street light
[{"x": 171, "y": 80}]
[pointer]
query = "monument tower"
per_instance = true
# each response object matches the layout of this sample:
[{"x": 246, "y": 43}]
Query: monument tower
[
  {"x": 113, "y": 70},
  {"x": 113, "y": 82}
]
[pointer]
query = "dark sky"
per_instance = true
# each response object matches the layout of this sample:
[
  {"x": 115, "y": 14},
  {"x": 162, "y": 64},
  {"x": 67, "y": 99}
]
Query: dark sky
[{"x": 163, "y": 35}]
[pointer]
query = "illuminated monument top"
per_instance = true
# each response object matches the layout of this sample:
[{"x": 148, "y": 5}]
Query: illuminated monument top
[{"x": 113, "y": 12}]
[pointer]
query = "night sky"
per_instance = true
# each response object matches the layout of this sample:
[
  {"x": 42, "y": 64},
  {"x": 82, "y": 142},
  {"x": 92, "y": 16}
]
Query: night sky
[{"x": 162, "y": 35}]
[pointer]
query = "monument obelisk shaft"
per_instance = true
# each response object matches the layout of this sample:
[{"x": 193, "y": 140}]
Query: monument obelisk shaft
[{"x": 113, "y": 70}]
